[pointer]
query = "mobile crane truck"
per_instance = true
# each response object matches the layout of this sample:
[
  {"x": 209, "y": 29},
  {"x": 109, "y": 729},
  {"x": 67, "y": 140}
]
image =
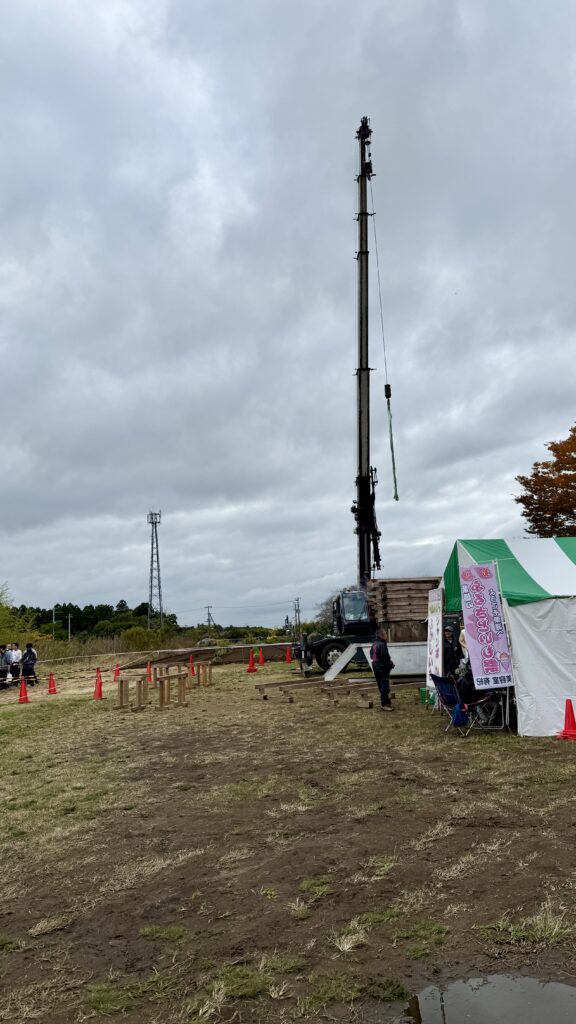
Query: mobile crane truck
[{"x": 357, "y": 612}]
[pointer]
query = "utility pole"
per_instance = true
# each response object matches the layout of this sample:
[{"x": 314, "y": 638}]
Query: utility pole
[
  {"x": 209, "y": 619},
  {"x": 69, "y": 631},
  {"x": 297, "y": 615},
  {"x": 53, "y": 621},
  {"x": 363, "y": 507},
  {"x": 155, "y": 610}
]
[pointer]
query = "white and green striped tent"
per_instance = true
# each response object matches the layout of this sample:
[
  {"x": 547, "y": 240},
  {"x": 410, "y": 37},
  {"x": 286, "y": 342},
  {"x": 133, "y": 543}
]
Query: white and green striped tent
[{"x": 538, "y": 587}]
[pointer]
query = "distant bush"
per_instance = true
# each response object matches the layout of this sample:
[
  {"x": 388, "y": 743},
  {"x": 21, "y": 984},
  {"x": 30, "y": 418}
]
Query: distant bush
[{"x": 137, "y": 638}]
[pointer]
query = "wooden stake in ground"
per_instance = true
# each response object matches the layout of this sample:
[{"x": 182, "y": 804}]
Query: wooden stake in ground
[
  {"x": 141, "y": 695},
  {"x": 164, "y": 694},
  {"x": 205, "y": 673},
  {"x": 123, "y": 696},
  {"x": 182, "y": 680}
]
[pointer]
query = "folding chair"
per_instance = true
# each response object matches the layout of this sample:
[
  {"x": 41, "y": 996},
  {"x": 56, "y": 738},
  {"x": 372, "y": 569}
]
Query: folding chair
[
  {"x": 486, "y": 712},
  {"x": 449, "y": 700},
  {"x": 465, "y": 714}
]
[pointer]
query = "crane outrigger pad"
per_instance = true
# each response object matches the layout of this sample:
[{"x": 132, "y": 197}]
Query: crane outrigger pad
[{"x": 345, "y": 659}]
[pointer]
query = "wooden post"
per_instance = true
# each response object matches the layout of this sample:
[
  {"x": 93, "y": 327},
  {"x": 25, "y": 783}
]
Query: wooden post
[
  {"x": 161, "y": 695},
  {"x": 123, "y": 696},
  {"x": 182, "y": 702},
  {"x": 204, "y": 669},
  {"x": 154, "y": 676},
  {"x": 140, "y": 703}
]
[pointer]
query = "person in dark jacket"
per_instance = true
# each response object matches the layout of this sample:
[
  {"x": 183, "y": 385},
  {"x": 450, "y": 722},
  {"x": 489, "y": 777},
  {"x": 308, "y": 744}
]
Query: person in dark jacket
[
  {"x": 3, "y": 665},
  {"x": 29, "y": 659},
  {"x": 382, "y": 665},
  {"x": 453, "y": 652}
]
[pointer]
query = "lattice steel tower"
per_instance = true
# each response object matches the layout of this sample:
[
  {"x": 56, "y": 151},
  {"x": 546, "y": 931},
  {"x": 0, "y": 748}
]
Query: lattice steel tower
[{"x": 155, "y": 611}]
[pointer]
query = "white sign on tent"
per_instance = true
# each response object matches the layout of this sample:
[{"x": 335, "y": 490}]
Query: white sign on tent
[{"x": 434, "y": 659}]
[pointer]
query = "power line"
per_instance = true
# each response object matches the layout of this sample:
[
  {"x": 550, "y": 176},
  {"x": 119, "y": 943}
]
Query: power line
[{"x": 233, "y": 607}]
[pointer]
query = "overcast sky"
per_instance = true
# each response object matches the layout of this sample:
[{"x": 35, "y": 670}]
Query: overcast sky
[{"x": 177, "y": 287}]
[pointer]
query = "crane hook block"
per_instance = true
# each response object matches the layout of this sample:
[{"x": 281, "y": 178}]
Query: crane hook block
[{"x": 387, "y": 391}]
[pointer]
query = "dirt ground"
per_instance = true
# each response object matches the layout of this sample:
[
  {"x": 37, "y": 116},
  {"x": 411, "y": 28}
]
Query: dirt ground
[{"x": 263, "y": 861}]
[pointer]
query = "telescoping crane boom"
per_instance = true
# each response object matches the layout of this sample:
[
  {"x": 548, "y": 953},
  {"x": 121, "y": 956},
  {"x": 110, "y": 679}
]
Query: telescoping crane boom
[
  {"x": 363, "y": 508},
  {"x": 351, "y": 615}
]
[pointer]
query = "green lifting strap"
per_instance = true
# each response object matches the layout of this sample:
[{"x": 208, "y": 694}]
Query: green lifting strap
[{"x": 387, "y": 388}]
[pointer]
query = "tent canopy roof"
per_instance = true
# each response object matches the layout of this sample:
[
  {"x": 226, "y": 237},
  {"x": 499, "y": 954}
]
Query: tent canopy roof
[{"x": 531, "y": 569}]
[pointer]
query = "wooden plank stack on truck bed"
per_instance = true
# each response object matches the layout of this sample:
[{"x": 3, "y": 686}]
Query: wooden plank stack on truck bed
[{"x": 401, "y": 605}]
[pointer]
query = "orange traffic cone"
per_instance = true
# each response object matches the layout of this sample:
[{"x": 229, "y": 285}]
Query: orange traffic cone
[
  {"x": 261, "y": 658},
  {"x": 288, "y": 656},
  {"x": 569, "y": 730},
  {"x": 251, "y": 665},
  {"x": 116, "y": 672},
  {"x": 23, "y": 698},
  {"x": 192, "y": 669},
  {"x": 51, "y": 685},
  {"x": 97, "y": 695},
  {"x": 148, "y": 673}
]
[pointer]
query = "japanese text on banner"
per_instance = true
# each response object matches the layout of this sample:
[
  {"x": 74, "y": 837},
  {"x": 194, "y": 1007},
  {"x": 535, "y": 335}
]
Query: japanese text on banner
[
  {"x": 484, "y": 625},
  {"x": 434, "y": 659}
]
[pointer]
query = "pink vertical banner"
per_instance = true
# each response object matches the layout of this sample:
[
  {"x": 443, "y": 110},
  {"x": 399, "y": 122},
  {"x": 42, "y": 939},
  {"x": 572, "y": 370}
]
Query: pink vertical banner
[{"x": 484, "y": 626}]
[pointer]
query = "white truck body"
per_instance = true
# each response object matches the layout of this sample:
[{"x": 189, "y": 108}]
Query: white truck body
[{"x": 409, "y": 658}]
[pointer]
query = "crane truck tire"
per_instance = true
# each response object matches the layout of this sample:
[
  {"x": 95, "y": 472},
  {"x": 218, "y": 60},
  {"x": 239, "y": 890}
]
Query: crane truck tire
[{"x": 330, "y": 653}]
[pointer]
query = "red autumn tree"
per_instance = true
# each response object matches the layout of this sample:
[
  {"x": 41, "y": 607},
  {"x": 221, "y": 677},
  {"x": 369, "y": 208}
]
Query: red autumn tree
[{"x": 549, "y": 497}]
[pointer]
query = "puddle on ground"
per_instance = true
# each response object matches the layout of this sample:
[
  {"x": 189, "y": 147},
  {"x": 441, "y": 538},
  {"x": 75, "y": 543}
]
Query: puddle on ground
[{"x": 493, "y": 1000}]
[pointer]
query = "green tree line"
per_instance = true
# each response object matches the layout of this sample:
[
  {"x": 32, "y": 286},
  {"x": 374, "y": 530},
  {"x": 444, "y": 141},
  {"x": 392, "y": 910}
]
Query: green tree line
[{"x": 97, "y": 627}]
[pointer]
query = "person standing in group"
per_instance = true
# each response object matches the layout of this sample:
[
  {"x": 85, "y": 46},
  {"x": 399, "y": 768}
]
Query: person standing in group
[
  {"x": 382, "y": 665},
  {"x": 16, "y": 659},
  {"x": 453, "y": 652},
  {"x": 7, "y": 663},
  {"x": 29, "y": 659},
  {"x": 3, "y": 666}
]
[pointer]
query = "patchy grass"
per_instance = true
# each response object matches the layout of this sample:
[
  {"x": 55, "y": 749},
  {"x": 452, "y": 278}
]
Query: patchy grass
[
  {"x": 106, "y": 998},
  {"x": 10, "y": 945},
  {"x": 236, "y": 791},
  {"x": 54, "y": 923},
  {"x": 269, "y": 892},
  {"x": 350, "y": 939},
  {"x": 546, "y": 928},
  {"x": 241, "y": 981},
  {"x": 299, "y": 909},
  {"x": 347, "y": 987},
  {"x": 380, "y": 865},
  {"x": 374, "y": 917},
  {"x": 429, "y": 935},
  {"x": 441, "y": 830},
  {"x": 283, "y": 963},
  {"x": 272, "y": 815},
  {"x": 376, "y": 868},
  {"x": 317, "y": 888},
  {"x": 163, "y": 932}
]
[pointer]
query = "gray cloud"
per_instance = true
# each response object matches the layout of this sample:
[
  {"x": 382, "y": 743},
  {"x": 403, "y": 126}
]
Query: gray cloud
[{"x": 177, "y": 286}]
